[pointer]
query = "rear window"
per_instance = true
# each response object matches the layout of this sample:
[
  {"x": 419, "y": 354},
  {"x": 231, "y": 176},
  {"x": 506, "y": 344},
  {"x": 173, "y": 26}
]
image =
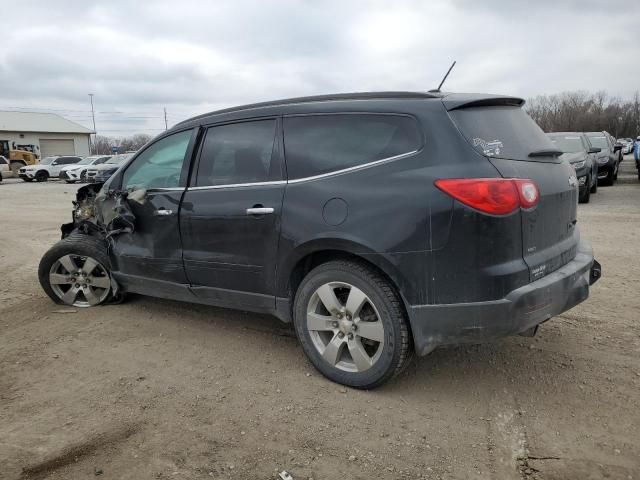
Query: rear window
[
  {"x": 501, "y": 131},
  {"x": 318, "y": 144}
]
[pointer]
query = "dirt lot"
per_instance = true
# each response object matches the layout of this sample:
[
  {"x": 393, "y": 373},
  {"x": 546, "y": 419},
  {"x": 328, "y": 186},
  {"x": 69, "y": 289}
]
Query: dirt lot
[{"x": 162, "y": 389}]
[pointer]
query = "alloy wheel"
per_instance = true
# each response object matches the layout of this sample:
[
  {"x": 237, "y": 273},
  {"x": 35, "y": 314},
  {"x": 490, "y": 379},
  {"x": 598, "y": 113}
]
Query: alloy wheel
[
  {"x": 345, "y": 327},
  {"x": 79, "y": 281}
]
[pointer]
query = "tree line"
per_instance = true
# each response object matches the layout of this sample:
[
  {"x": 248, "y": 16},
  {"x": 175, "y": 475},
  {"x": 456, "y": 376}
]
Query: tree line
[
  {"x": 581, "y": 111},
  {"x": 102, "y": 145}
]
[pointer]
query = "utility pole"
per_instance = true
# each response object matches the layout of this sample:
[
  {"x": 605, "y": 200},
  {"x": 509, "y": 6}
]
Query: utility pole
[
  {"x": 166, "y": 126},
  {"x": 93, "y": 116}
]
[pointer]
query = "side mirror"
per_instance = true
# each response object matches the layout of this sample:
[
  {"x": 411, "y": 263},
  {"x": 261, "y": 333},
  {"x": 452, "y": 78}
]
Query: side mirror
[
  {"x": 617, "y": 147},
  {"x": 594, "y": 150}
]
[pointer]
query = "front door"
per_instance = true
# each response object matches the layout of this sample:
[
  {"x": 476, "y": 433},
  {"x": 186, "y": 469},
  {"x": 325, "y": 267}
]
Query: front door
[
  {"x": 149, "y": 260},
  {"x": 230, "y": 215}
]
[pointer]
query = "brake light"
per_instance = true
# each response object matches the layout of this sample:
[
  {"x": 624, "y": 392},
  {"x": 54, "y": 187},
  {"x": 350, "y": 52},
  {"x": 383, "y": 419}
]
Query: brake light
[{"x": 496, "y": 196}]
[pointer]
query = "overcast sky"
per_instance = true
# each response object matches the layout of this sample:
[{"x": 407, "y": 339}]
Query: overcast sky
[{"x": 196, "y": 56}]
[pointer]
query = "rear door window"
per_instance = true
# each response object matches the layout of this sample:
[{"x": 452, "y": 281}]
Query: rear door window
[
  {"x": 239, "y": 153},
  {"x": 318, "y": 144},
  {"x": 501, "y": 131}
]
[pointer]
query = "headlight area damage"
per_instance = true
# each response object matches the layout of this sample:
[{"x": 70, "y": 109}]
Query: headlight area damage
[
  {"x": 104, "y": 215},
  {"x": 100, "y": 213}
]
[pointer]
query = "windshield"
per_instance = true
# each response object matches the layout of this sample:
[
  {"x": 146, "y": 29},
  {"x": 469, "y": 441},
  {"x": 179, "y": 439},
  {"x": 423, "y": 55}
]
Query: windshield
[
  {"x": 568, "y": 143},
  {"x": 599, "y": 142},
  {"x": 503, "y": 132},
  {"x": 47, "y": 160}
]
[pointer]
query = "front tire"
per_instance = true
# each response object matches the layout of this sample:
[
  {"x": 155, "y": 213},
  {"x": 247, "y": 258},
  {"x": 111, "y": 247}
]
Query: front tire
[
  {"x": 76, "y": 271},
  {"x": 594, "y": 187},
  {"x": 585, "y": 196},
  {"x": 352, "y": 325},
  {"x": 42, "y": 176}
]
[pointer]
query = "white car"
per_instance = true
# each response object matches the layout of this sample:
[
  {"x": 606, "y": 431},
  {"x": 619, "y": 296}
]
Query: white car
[
  {"x": 4, "y": 167},
  {"x": 101, "y": 173},
  {"x": 78, "y": 171},
  {"x": 48, "y": 167}
]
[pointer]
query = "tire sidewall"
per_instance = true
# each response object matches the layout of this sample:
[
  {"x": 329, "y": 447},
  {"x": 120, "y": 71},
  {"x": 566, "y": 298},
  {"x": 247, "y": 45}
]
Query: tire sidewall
[
  {"x": 388, "y": 361},
  {"x": 75, "y": 244}
]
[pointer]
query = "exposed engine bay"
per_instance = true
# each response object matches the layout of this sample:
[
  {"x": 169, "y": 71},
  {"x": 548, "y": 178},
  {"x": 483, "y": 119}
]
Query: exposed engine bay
[{"x": 104, "y": 213}]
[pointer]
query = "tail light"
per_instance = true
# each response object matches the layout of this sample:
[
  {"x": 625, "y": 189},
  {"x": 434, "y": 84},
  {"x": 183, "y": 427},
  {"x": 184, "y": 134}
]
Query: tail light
[{"x": 496, "y": 196}]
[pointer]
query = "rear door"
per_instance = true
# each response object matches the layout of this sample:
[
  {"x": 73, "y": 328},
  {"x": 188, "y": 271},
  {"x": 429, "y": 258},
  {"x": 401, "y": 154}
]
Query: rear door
[
  {"x": 230, "y": 216},
  {"x": 515, "y": 145}
]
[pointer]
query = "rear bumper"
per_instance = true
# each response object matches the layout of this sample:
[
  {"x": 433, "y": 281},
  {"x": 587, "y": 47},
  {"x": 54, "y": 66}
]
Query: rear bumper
[{"x": 520, "y": 310}]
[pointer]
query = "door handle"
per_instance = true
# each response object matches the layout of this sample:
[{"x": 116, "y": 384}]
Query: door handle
[
  {"x": 259, "y": 210},
  {"x": 163, "y": 212}
]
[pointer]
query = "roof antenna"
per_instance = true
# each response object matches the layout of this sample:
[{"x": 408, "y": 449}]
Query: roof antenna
[{"x": 445, "y": 77}]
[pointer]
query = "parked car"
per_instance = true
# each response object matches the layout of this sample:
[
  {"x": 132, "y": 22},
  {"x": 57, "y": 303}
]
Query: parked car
[
  {"x": 4, "y": 167},
  {"x": 379, "y": 223},
  {"x": 609, "y": 157},
  {"x": 577, "y": 151},
  {"x": 627, "y": 145},
  {"x": 47, "y": 168},
  {"x": 78, "y": 171},
  {"x": 101, "y": 173}
]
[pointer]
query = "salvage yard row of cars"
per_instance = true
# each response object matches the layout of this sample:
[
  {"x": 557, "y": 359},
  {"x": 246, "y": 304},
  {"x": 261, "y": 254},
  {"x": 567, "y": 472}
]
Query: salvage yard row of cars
[
  {"x": 595, "y": 156},
  {"x": 72, "y": 169}
]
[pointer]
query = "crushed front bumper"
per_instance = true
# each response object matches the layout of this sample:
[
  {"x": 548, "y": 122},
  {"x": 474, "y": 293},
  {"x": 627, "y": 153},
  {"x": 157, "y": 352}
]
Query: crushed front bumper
[{"x": 521, "y": 310}]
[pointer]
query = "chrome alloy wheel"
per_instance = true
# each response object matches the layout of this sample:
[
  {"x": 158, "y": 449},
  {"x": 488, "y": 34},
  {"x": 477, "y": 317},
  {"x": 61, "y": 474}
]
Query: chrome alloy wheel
[
  {"x": 79, "y": 281},
  {"x": 345, "y": 327}
]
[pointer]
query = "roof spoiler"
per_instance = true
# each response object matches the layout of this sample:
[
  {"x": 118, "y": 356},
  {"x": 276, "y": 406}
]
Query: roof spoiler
[{"x": 458, "y": 101}]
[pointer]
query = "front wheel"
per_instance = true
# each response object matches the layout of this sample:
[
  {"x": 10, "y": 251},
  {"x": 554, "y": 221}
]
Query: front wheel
[
  {"x": 75, "y": 271},
  {"x": 594, "y": 187},
  {"x": 585, "y": 196},
  {"x": 351, "y": 324},
  {"x": 42, "y": 176}
]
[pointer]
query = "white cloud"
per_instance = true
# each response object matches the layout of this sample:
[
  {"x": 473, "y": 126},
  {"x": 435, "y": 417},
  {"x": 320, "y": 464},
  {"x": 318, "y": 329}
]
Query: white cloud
[{"x": 193, "y": 56}]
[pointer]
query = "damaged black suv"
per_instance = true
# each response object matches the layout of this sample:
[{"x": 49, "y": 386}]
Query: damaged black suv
[{"x": 381, "y": 224}]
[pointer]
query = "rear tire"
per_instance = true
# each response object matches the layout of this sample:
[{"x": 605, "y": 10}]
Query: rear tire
[
  {"x": 362, "y": 338},
  {"x": 76, "y": 271}
]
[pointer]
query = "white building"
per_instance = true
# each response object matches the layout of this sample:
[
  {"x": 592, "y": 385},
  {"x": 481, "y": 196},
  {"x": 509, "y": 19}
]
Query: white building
[{"x": 50, "y": 134}]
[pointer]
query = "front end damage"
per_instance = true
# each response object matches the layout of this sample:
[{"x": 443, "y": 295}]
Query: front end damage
[{"x": 105, "y": 215}]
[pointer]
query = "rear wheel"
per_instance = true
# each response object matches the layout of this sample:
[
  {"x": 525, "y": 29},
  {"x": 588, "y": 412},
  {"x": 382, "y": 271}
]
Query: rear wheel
[
  {"x": 42, "y": 176},
  {"x": 75, "y": 271},
  {"x": 351, "y": 324}
]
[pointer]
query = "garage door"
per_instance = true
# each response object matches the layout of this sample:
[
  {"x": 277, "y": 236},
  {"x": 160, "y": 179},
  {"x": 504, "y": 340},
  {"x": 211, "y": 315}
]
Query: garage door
[{"x": 56, "y": 147}]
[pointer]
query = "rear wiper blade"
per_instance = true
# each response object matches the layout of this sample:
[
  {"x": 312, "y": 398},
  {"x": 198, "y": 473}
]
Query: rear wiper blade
[{"x": 546, "y": 152}]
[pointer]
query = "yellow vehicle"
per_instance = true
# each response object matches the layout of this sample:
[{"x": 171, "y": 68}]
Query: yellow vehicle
[{"x": 17, "y": 158}]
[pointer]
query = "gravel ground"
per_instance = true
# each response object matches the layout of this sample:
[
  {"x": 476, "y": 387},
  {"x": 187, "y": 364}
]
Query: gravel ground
[{"x": 161, "y": 389}]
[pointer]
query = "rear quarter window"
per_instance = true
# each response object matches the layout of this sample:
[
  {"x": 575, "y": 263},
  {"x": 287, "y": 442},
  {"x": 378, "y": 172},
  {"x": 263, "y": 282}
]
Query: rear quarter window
[
  {"x": 318, "y": 144},
  {"x": 501, "y": 131}
]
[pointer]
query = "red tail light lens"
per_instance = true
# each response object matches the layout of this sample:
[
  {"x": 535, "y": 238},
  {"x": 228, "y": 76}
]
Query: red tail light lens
[{"x": 496, "y": 196}]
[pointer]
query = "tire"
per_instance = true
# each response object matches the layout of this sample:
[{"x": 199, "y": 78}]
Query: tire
[
  {"x": 615, "y": 174},
  {"x": 70, "y": 181},
  {"x": 89, "y": 285},
  {"x": 608, "y": 180},
  {"x": 594, "y": 187},
  {"x": 585, "y": 197},
  {"x": 382, "y": 311},
  {"x": 42, "y": 176},
  {"x": 28, "y": 179},
  {"x": 83, "y": 176}
]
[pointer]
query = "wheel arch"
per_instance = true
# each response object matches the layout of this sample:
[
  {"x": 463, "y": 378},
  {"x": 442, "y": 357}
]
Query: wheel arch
[{"x": 314, "y": 253}]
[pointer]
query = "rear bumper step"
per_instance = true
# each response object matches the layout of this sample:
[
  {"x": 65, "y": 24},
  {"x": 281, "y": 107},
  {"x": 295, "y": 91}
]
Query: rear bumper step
[{"x": 521, "y": 310}]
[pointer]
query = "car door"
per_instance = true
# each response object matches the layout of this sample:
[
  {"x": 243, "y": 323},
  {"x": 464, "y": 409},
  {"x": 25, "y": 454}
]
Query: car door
[
  {"x": 230, "y": 215},
  {"x": 149, "y": 260}
]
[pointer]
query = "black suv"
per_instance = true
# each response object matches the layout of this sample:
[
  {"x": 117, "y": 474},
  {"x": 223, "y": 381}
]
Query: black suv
[
  {"x": 609, "y": 157},
  {"x": 580, "y": 154},
  {"x": 379, "y": 223}
]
